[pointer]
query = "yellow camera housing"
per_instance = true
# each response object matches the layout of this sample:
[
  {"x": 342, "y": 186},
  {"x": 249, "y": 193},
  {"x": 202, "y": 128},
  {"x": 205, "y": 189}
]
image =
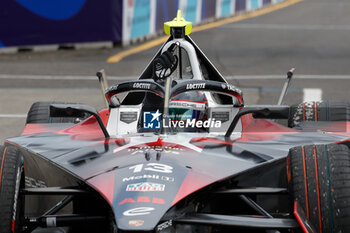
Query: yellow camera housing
[{"x": 178, "y": 22}]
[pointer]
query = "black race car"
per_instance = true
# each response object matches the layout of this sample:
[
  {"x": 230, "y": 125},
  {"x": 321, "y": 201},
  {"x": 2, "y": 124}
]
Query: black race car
[{"x": 179, "y": 153}]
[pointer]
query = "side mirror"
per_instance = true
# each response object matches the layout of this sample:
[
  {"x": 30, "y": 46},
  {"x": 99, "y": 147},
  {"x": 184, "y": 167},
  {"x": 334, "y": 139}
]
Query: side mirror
[
  {"x": 260, "y": 111},
  {"x": 270, "y": 111},
  {"x": 77, "y": 110}
]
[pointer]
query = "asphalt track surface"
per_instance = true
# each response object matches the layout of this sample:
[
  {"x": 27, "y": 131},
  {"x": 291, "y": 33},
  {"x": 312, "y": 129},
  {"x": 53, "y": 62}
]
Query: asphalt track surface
[{"x": 313, "y": 36}]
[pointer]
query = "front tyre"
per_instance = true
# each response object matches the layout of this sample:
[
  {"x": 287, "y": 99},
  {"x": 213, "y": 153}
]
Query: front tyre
[
  {"x": 319, "y": 180},
  {"x": 11, "y": 182},
  {"x": 319, "y": 111},
  {"x": 39, "y": 113}
]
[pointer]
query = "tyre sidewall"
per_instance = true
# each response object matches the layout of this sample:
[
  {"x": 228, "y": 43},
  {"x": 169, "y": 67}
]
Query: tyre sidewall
[{"x": 11, "y": 200}]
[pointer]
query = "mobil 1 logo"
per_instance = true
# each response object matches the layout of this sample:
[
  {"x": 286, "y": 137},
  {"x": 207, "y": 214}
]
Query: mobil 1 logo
[{"x": 149, "y": 176}]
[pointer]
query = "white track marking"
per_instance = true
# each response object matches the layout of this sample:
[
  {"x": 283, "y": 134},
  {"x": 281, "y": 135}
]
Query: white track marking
[
  {"x": 62, "y": 77},
  {"x": 287, "y": 27},
  {"x": 116, "y": 78},
  {"x": 13, "y": 115},
  {"x": 312, "y": 94},
  {"x": 296, "y": 76}
]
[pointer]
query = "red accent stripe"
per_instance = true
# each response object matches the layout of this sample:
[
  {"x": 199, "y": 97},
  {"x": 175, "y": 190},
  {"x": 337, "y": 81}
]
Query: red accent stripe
[
  {"x": 305, "y": 185},
  {"x": 104, "y": 114},
  {"x": 2, "y": 164},
  {"x": 13, "y": 226},
  {"x": 193, "y": 181},
  {"x": 301, "y": 223},
  {"x": 304, "y": 116},
  {"x": 105, "y": 185},
  {"x": 318, "y": 192},
  {"x": 315, "y": 105}
]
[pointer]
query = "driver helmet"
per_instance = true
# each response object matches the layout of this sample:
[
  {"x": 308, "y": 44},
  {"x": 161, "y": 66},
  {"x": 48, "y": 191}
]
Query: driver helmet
[{"x": 188, "y": 106}]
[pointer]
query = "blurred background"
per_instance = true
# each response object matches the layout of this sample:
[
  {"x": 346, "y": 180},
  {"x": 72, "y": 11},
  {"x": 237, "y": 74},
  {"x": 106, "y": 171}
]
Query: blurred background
[{"x": 51, "y": 50}]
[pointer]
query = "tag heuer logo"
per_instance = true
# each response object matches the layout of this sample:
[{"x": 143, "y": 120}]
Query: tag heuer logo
[
  {"x": 145, "y": 187},
  {"x": 136, "y": 223}
]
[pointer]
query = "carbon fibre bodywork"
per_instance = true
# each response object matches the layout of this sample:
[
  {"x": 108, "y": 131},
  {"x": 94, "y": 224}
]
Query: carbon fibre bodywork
[{"x": 169, "y": 168}]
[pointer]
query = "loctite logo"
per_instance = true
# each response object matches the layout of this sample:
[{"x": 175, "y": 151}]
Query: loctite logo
[
  {"x": 195, "y": 86},
  {"x": 142, "y": 85},
  {"x": 145, "y": 187}
]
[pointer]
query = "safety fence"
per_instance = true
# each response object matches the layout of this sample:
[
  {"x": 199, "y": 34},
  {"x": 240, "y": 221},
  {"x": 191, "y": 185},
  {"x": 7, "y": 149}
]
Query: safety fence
[
  {"x": 42, "y": 22},
  {"x": 146, "y": 17}
]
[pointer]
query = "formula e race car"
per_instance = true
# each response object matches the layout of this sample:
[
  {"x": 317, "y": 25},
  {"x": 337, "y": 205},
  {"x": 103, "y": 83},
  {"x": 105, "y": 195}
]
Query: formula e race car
[{"x": 178, "y": 151}]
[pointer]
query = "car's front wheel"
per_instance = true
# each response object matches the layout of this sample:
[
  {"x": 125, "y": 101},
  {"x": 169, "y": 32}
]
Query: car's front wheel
[
  {"x": 319, "y": 180},
  {"x": 319, "y": 111},
  {"x": 39, "y": 113},
  {"x": 11, "y": 182}
]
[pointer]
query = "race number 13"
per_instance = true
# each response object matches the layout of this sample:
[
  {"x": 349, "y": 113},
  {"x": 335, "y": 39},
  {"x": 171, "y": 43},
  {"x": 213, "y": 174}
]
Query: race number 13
[{"x": 155, "y": 167}]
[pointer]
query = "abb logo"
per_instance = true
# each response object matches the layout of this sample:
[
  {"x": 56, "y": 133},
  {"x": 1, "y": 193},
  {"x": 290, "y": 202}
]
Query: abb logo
[{"x": 142, "y": 199}]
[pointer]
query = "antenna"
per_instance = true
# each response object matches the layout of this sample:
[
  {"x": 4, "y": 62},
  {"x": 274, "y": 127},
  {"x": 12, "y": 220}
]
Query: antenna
[{"x": 286, "y": 85}]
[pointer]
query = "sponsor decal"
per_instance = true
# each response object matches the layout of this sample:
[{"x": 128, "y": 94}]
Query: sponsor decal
[
  {"x": 192, "y": 86},
  {"x": 147, "y": 176},
  {"x": 146, "y": 187},
  {"x": 136, "y": 223},
  {"x": 231, "y": 88},
  {"x": 142, "y": 199},
  {"x": 151, "y": 120},
  {"x": 165, "y": 149},
  {"x": 128, "y": 117},
  {"x": 164, "y": 225},
  {"x": 138, "y": 211},
  {"x": 221, "y": 116},
  {"x": 184, "y": 104},
  {"x": 142, "y": 85},
  {"x": 33, "y": 183}
]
